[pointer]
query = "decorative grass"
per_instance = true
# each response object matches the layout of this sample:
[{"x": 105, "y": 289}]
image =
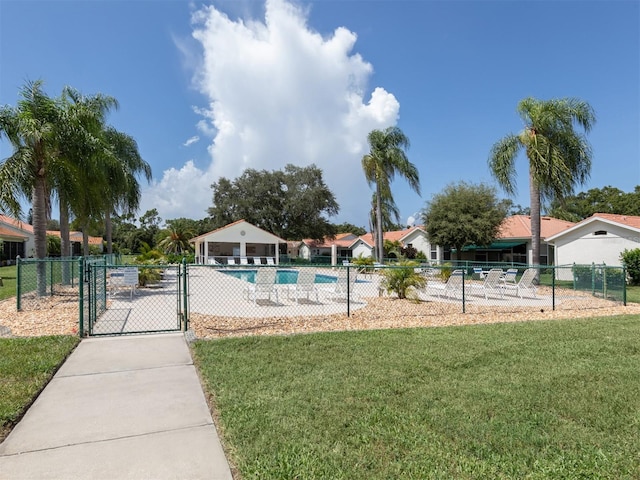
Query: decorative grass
[
  {"x": 558, "y": 399},
  {"x": 26, "y": 366}
]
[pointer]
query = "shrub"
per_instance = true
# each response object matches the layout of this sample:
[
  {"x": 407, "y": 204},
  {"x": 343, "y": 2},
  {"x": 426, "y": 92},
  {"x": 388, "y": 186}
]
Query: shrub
[
  {"x": 445, "y": 271},
  {"x": 631, "y": 260},
  {"x": 400, "y": 279}
]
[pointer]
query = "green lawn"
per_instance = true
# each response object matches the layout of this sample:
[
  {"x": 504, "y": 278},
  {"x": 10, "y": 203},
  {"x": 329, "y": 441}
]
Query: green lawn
[
  {"x": 8, "y": 287},
  {"x": 26, "y": 365},
  {"x": 558, "y": 399}
]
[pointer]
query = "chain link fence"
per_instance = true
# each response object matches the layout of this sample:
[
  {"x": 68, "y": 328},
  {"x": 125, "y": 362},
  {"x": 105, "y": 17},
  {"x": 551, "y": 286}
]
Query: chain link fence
[
  {"x": 228, "y": 300},
  {"x": 218, "y": 300}
]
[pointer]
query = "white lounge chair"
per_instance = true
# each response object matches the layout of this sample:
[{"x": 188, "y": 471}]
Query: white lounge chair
[
  {"x": 231, "y": 261},
  {"x": 509, "y": 278},
  {"x": 265, "y": 284},
  {"x": 212, "y": 261},
  {"x": 270, "y": 261},
  {"x": 453, "y": 286},
  {"x": 257, "y": 261},
  {"x": 526, "y": 283},
  {"x": 343, "y": 288},
  {"x": 492, "y": 284},
  {"x": 305, "y": 285},
  {"x": 244, "y": 261}
]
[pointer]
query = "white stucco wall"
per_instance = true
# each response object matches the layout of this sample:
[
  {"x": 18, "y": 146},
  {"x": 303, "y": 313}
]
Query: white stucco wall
[
  {"x": 363, "y": 249},
  {"x": 583, "y": 247}
]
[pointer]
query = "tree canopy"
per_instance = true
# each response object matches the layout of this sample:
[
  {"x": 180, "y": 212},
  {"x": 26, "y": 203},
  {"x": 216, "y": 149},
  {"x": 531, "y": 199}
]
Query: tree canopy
[
  {"x": 597, "y": 200},
  {"x": 559, "y": 156},
  {"x": 464, "y": 214},
  {"x": 386, "y": 159},
  {"x": 291, "y": 204}
]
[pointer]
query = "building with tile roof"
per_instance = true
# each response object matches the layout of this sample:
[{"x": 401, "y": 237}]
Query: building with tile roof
[
  {"x": 600, "y": 238},
  {"x": 236, "y": 240},
  {"x": 18, "y": 239}
]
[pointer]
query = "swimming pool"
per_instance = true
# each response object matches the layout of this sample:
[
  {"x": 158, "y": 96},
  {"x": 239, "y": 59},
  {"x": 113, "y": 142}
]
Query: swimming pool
[{"x": 282, "y": 276}]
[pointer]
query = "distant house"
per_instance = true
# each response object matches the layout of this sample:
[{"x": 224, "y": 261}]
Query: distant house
[
  {"x": 414, "y": 237},
  {"x": 513, "y": 243},
  {"x": 236, "y": 240},
  {"x": 18, "y": 239},
  {"x": 601, "y": 238},
  {"x": 311, "y": 248}
]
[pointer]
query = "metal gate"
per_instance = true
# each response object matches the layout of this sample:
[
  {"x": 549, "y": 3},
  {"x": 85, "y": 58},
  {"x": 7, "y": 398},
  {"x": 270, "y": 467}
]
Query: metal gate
[{"x": 135, "y": 299}]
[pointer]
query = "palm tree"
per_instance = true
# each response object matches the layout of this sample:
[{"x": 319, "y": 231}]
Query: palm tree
[
  {"x": 559, "y": 157},
  {"x": 124, "y": 194},
  {"x": 81, "y": 142},
  {"x": 31, "y": 128},
  {"x": 177, "y": 240},
  {"x": 385, "y": 159}
]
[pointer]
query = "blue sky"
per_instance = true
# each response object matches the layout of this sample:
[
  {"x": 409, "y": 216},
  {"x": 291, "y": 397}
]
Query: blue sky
[{"x": 210, "y": 88}]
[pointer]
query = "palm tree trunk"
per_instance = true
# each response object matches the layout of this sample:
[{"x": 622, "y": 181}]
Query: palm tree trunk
[
  {"x": 108, "y": 230},
  {"x": 534, "y": 198},
  {"x": 379, "y": 241},
  {"x": 65, "y": 240},
  {"x": 40, "y": 232}
]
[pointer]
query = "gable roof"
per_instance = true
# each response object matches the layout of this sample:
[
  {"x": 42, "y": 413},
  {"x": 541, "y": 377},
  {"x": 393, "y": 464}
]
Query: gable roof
[
  {"x": 340, "y": 240},
  {"x": 627, "y": 221},
  {"x": 10, "y": 233},
  {"x": 17, "y": 224},
  {"x": 393, "y": 236},
  {"x": 233, "y": 224},
  {"x": 519, "y": 226}
]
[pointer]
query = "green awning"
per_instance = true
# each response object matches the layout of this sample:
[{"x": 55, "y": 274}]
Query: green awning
[{"x": 497, "y": 245}]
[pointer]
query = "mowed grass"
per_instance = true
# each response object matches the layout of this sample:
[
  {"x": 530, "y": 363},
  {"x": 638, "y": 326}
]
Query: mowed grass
[
  {"x": 8, "y": 287},
  {"x": 557, "y": 399},
  {"x": 26, "y": 366}
]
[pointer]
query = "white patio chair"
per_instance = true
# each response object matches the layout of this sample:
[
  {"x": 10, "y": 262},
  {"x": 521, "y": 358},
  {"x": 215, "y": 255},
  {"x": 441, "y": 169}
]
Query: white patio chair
[
  {"x": 231, "y": 261},
  {"x": 257, "y": 260},
  {"x": 526, "y": 283},
  {"x": 492, "y": 284},
  {"x": 265, "y": 285},
  {"x": 509, "y": 278},
  {"x": 343, "y": 288},
  {"x": 453, "y": 286},
  {"x": 305, "y": 285},
  {"x": 244, "y": 261},
  {"x": 270, "y": 261}
]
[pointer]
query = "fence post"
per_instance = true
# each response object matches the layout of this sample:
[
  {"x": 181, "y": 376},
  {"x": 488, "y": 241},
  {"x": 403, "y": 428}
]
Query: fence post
[
  {"x": 185, "y": 291},
  {"x": 593, "y": 278},
  {"x": 50, "y": 264},
  {"x": 81, "y": 301},
  {"x": 464, "y": 305},
  {"x": 624, "y": 285},
  {"x": 348, "y": 293},
  {"x": 553, "y": 288},
  {"x": 18, "y": 283},
  {"x": 604, "y": 280}
]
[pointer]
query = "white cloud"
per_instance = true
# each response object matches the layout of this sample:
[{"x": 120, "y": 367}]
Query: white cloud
[
  {"x": 181, "y": 193},
  {"x": 281, "y": 93},
  {"x": 191, "y": 141}
]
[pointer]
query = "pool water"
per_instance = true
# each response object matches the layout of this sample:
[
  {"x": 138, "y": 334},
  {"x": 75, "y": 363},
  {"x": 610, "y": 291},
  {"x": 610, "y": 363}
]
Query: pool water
[{"x": 282, "y": 276}]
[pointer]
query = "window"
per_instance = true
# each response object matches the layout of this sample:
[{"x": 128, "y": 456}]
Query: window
[{"x": 434, "y": 252}]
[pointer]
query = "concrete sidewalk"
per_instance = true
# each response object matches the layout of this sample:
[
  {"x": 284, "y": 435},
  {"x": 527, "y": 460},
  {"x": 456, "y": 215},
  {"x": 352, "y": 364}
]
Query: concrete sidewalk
[{"x": 119, "y": 408}]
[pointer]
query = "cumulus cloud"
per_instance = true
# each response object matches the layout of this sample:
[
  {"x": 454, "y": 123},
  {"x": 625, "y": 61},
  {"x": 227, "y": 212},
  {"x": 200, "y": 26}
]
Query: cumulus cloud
[
  {"x": 279, "y": 92},
  {"x": 191, "y": 141},
  {"x": 184, "y": 192}
]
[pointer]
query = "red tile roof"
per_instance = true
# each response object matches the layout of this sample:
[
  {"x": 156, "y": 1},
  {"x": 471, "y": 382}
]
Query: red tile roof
[
  {"x": 394, "y": 236},
  {"x": 16, "y": 223},
  {"x": 628, "y": 220},
  {"x": 519, "y": 226}
]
